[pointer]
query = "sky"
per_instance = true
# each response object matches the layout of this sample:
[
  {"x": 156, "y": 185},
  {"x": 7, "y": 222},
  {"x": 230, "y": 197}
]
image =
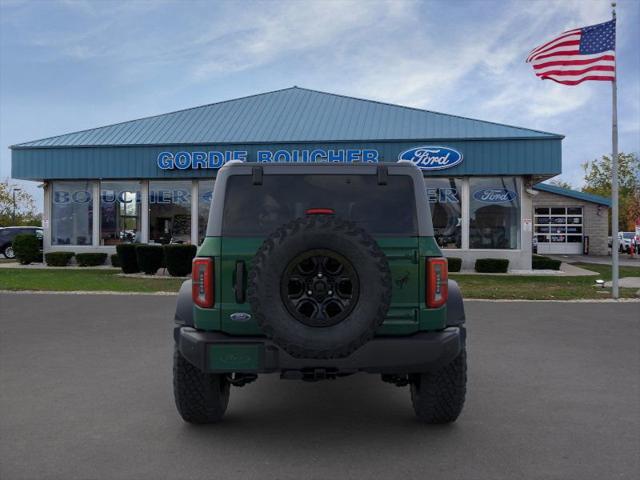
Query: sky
[{"x": 72, "y": 65}]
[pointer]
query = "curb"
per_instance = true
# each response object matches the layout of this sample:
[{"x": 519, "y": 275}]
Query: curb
[
  {"x": 81, "y": 292},
  {"x": 575, "y": 300},
  {"x": 500, "y": 300}
]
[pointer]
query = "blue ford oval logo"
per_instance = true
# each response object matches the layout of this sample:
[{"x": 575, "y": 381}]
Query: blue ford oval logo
[
  {"x": 495, "y": 195},
  {"x": 432, "y": 158},
  {"x": 240, "y": 317}
]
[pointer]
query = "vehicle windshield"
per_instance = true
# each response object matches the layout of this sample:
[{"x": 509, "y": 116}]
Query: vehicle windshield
[
  {"x": 628, "y": 235},
  {"x": 257, "y": 210}
]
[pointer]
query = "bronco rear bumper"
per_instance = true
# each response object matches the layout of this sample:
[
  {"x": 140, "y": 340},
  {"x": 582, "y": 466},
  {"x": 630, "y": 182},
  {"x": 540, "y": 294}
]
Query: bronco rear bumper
[{"x": 217, "y": 352}]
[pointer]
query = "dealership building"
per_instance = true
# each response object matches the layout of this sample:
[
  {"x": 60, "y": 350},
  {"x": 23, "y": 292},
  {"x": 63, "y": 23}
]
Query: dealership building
[{"x": 150, "y": 180}]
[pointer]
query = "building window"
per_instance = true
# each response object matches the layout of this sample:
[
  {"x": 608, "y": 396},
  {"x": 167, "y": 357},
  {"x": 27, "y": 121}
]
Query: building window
[
  {"x": 119, "y": 212},
  {"x": 494, "y": 213},
  {"x": 72, "y": 213},
  {"x": 445, "y": 201},
  {"x": 170, "y": 212},
  {"x": 205, "y": 193}
]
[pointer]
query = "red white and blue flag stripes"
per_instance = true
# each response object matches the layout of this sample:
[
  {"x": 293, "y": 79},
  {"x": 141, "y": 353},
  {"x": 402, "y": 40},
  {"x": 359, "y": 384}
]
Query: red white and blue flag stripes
[{"x": 578, "y": 55}]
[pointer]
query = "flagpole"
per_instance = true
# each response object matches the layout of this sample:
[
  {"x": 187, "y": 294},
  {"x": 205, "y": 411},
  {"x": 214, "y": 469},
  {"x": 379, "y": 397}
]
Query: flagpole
[{"x": 614, "y": 177}]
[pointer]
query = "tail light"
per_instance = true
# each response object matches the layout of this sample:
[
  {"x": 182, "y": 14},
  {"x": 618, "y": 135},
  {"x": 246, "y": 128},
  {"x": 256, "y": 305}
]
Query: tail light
[
  {"x": 437, "y": 282},
  {"x": 202, "y": 282},
  {"x": 320, "y": 211}
]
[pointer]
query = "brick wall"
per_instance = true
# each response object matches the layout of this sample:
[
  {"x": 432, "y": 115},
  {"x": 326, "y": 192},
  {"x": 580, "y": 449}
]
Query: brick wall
[{"x": 594, "y": 226}]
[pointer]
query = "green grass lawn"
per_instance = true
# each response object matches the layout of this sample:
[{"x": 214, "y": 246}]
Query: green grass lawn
[
  {"x": 473, "y": 286},
  {"x": 83, "y": 280},
  {"x": 543, "y": 287}
]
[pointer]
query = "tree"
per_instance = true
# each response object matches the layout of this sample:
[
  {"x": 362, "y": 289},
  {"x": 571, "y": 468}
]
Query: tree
[
  {"x": 558, "y": 182},
  {"x": 25, "y": 207},
  {"x": 597, "y": 179}
]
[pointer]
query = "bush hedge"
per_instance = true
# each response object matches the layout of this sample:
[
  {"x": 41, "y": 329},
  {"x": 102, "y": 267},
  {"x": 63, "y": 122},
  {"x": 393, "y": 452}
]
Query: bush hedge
[
  {"x": 454, "y": 264},
  {"x": 115, "y": 260},
  {"x": 539, "y": 262},
  {"x": 127, "y": 257},
  {"x": 27, "y": 248},
  {"x": 492, "y": 265},
  {"x": 149, "y": 258},
  {"x": 90, "y": 259},
  {"x": 178, "y": 259},
  {"x": 58, "y": 259}
]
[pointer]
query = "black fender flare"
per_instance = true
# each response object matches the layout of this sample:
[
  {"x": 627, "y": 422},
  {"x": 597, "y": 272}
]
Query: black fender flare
[
  {"x": 184, "y": 308},
  {"x": 455, "y": 306}
]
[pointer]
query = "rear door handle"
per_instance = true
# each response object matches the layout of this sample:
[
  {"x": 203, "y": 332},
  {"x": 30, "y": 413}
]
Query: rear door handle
[{"x": 240, "y": 281}]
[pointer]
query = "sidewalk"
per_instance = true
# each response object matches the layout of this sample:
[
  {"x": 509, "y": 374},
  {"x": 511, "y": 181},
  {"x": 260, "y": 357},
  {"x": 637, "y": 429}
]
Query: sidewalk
[
  {"x": 624, "y": 259},
  {"x": 566, "y": 270},
  {"x": 44, "y": 266}
]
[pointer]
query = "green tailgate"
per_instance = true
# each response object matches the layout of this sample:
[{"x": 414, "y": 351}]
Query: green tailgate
[{"x": 406, "y": 256}]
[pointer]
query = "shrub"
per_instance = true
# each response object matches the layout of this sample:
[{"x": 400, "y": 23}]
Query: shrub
[
  {"x": 149, "y": 258},
  {"x": 58, "y": 259},
  {"x": 178, "y": 259},
  {"x": 90, "y": 259},
  {"x": 127, "y": 257},
  {"x": 454, "y": 263},
  {"x": 27, "y": 248},
  {"x": 544, "y": 263},
  {"x": 492, "y": 265},
  {"x": 115, "y": 260}
]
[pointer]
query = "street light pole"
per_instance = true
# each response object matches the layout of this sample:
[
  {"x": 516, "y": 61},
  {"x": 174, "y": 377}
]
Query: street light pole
[{"x": 14, "y": 203}]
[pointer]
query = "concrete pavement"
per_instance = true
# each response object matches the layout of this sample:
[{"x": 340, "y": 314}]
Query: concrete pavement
[{"x": 86, "y": 394}]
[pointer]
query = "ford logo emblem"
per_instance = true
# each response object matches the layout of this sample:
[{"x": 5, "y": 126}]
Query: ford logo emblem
[
  {"x": 432, "y": 158},
  {"x": 240, "y": 317},
  {"x": 495, "y": 195}
]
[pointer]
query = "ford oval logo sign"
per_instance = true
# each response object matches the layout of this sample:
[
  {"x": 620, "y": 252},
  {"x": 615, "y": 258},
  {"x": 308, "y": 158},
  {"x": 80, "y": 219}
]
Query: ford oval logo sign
[
  {"x": 495, "y": 195},
  {"x": 432, "y": 158}
]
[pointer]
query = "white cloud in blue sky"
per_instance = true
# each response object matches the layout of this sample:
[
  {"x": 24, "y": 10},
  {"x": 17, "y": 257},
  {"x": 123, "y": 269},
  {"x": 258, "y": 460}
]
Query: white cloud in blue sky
[{"x": 72, "y": 65}]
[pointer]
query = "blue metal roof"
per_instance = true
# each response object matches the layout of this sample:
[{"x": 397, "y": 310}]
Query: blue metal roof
[
  {"x": 565, "y": 192},
  {"x": 291, "y": 115}
]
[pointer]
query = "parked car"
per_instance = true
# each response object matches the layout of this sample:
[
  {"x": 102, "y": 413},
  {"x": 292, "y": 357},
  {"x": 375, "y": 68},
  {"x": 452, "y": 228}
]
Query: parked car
[
  {"x": 7, "y": 234},
  {"x": 295, "y": 277},
  {"x": 625, "y": 239}
]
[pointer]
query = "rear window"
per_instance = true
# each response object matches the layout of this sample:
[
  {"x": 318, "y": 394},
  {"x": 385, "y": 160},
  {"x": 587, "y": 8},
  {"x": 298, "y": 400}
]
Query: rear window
[{"x": 257, "y": 210}]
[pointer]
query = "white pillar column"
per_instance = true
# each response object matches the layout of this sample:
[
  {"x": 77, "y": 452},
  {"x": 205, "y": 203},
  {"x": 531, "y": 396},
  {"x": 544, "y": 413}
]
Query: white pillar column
[
  {"x": 144, "y": 211},
  {"x": 46, "y": 216},
  {"x": 465, "y": 213},
  {"x": 95, "y": 236},
  {"x": 194, "y": 212},
  {"x": 526, "y": 215}
]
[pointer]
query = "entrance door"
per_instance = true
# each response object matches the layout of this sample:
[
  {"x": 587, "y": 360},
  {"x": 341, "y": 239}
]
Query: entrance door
[{"x": 558, "y": 229}]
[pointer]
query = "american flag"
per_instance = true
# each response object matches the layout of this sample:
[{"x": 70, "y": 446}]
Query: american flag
[{"x": 587, "y": 53}]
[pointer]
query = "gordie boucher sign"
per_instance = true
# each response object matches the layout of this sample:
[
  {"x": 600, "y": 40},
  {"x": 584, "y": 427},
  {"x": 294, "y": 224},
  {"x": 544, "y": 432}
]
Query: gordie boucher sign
[{"x": 425, "y": 157}]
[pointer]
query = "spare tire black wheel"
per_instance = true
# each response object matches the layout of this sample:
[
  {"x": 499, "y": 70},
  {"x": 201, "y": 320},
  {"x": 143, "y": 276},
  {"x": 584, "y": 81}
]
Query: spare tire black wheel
[{"x": 319, "y": 287}]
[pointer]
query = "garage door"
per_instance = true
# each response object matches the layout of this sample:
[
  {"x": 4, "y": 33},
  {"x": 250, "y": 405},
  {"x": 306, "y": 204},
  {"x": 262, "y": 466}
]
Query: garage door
[{"x": 558, "y": 229}]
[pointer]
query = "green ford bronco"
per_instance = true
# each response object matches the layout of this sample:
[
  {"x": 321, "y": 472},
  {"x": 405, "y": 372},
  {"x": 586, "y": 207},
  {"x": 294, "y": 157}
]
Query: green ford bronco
[{"x": 319, "y": 271}]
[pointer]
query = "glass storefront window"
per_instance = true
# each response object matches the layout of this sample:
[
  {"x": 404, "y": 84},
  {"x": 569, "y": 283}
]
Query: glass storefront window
[
  {"x": 445, "y": 197},
  {"x": 119, "y": 212},
  {"x": 170, "y": 212},
  {"x": 494, "y": 213},
  {"x": 205, "y": 192},
  {"x": 71, "y": 213}
]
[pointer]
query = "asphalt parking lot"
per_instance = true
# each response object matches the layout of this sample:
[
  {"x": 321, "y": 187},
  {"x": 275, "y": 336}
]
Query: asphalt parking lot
[{"x": 85, "y": 380}]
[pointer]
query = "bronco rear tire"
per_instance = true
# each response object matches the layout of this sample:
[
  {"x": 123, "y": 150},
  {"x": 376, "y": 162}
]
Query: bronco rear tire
[
  {"x": 438, "y": 397},
  {"x": 319, "y": 287},
  {"x": 200, "y": 397}
]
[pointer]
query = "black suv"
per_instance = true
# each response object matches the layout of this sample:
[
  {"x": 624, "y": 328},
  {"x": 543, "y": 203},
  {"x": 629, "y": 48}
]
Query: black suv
[{"x": 7, "y": 234}]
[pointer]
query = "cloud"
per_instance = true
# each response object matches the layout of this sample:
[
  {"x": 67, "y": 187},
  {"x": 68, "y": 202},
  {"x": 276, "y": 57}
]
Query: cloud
[{"x": 275, "y": 31}]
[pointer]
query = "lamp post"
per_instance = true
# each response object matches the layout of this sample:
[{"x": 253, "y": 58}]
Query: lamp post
[{"x": 14, "y": 203}]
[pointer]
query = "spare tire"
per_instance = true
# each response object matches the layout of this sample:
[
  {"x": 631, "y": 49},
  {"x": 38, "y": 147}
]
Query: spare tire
[{"x": 319, "y": 287}]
